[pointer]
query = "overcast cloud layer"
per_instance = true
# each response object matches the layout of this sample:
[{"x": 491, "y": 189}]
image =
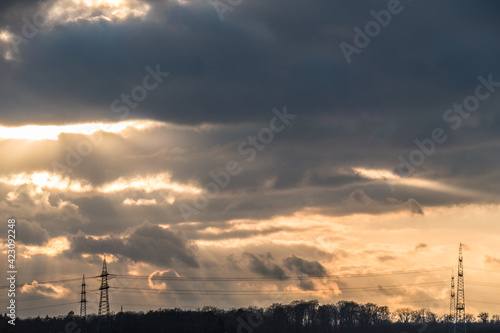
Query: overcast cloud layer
[{"x": 177, "y": 188}]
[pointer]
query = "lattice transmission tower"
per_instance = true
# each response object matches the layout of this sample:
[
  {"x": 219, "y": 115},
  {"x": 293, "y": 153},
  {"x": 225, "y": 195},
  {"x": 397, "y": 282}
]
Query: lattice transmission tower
[
  {"x": 452, "y": 298},
  {"x": 83, "y": 300},
  {"x": 460, "y": 324},
  {"x": 104, "y": 288}
]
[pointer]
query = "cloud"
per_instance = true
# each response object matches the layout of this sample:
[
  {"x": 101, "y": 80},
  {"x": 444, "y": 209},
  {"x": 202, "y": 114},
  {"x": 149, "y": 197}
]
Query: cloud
[
  {"x": 155, "y": 279},
  {"x": 146, "y": 242},
  {"x": 51, "y": 211},
  {"x": 384, "y": 258},
  {"x": 51, "y": 248},
  {"x": 44, "y": 289},
  {"x": 304, "y": 267},
  {"x": 65, "y": 11},
  {"x": 140, "y": 202},
  {"x": 359, "y": 197},
  {"x": 268, "y": 62},
  {"x": 492, "y": 260},
  {"x": 344, "y": 108},
  {"x": 415, "y": 207},
  {"x": 411, "y": 204},
  {"x": 386, "y": 292},
  {"x": 421, "y": 246},
  {"x": 262, "y": 264},
  {"x": 31, "y": 233}
]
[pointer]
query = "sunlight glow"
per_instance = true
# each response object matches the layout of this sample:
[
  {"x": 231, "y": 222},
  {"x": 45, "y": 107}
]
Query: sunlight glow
[
  {"x": 7, "y": 37},
  {"x": 147, "y": 183},
  {"x": 54, "y": 247},
  {"x": 376, "y": 173},
  {"x": 51, "y": 132},
  {"x": 65, "y": 11},
  {"x": 46, "y": 179},
  {"x": 392, "y": 179},
  {"x": 161, "y": 286},
  {"x": 140, "y": 202},
  {"x": 45, "y": 289}
]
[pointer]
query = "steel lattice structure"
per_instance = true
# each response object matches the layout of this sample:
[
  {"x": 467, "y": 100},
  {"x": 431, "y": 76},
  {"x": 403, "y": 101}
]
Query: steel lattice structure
[
  {"x": 452, "y": 298},
  {"x": 460, "y": 324},
  {"x": 83, "y": 300},
  {"x": 104, "y": 288}
]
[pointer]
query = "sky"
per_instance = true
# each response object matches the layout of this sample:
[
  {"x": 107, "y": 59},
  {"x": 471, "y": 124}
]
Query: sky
[{"x": 250, "y": 152}]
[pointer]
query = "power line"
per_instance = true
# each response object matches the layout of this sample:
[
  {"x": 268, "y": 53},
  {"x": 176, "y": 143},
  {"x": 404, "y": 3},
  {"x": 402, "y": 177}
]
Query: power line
[
  {"x": 273, "y": 278},
  {"x": 369, "y": 288},
  {"x": 44, "y": 282},
  {"x": 223, "y": 293},
  {"x": 223, "y": 279},
  {"x": 485, "y": 302},
  {"x": 47, "y": 306},
  {"x": 484, "y": 284},
  {"x": 482, "y": 270}
]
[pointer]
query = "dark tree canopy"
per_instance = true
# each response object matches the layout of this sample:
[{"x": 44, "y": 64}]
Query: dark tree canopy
[{"x": 297, "y": 317}]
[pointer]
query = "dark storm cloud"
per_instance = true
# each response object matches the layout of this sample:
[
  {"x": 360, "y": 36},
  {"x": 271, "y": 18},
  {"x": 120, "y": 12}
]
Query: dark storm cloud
[
  {"x": 304, "y": 267},
  {"x": 363, "y": 114},
  {"x": 287, "y": 175},
  {"x": 360, "y": 115},
  {"x": 240, "y": 234},
  {"x": 262, "y": 264},
  {"x": 15, "y": 9},
  {"x": 259, "y": 57},
  {"x": 146, "y": 242},
  {"x": 317, "y": 178},
  {"x": 31, "y": 233}
]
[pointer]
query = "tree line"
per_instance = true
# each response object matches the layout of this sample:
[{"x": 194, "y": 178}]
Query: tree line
[{"x": 297, "y": 317}]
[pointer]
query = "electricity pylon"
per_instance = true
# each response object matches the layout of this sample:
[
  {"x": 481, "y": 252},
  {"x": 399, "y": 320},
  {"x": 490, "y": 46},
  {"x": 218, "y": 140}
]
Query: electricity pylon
[
  {"x": 460, "y": 324},
  {"x": 83, "y": 300},
  {"x": 452, "y": 298},
  {"x": 104, "y": 300}
]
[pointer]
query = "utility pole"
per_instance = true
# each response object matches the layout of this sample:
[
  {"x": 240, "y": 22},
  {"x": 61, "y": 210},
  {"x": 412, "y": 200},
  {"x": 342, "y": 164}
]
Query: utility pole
[{"x": 460, "y": 324}]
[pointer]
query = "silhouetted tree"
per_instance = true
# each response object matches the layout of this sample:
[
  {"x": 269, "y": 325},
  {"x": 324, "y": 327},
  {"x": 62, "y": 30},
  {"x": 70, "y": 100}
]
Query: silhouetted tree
[
  {"x": 483, "y": 316},
  {"x": 403, "y": 315}
]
